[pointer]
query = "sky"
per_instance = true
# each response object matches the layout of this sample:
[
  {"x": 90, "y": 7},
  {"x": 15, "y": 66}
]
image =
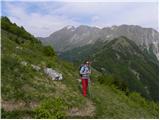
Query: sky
[{"x": 42, "y": 18}]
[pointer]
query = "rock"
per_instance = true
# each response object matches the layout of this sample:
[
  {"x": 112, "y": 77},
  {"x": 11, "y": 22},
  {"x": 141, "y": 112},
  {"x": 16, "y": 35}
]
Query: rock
[
  {"x": 79, "y": 80},
  {"x": 53, "y": 74},
  {"x": 24, "y": 63},
  {"x": 37, "y": 68},
  {"x": 19, "y": 47}
]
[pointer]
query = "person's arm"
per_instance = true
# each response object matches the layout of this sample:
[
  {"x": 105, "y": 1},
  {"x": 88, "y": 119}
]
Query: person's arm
[{"x": 89, "y": 70}]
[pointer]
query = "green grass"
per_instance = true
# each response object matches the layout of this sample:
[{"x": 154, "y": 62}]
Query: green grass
[
  {"x": 21, "y": 82},
  {"x": 27, "y": 93},
  {"x": 112, "y": 103}
]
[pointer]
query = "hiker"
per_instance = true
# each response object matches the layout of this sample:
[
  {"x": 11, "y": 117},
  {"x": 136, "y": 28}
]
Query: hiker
[{"x": 85, "y": 71}]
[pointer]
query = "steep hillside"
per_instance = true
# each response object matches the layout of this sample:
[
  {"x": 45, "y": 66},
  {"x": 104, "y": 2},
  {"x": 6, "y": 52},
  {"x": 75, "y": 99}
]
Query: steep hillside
[
  {"x": 27, "y": 92},
  {"x": 123, "y": 58},
  {"x": 30, "y": 93}
]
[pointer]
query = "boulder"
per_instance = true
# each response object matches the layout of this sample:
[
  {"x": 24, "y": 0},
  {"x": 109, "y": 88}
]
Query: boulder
[{"x": 53, "y": 74}]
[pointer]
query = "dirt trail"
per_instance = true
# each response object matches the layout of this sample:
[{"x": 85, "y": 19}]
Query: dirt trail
[{"x": 87, "y": 110}]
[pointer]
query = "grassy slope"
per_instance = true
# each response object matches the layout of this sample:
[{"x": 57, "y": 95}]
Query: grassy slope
[
  {"x": 27, "y": 93},
  {"x": 22, "y": 84},
  {"x": 112, "y": 103}
]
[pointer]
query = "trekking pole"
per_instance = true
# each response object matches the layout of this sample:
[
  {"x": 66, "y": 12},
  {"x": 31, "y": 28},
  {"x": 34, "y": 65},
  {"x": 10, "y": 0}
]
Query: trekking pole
[{"x": 89, "y": 87}]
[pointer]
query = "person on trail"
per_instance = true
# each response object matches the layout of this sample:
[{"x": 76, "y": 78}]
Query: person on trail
[{"x": 85, "y": 72}]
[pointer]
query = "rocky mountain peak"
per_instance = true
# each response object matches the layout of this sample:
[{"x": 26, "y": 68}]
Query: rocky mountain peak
[
  {"x": 69, "y": 27},
  {"x": 72, "y": 37}
]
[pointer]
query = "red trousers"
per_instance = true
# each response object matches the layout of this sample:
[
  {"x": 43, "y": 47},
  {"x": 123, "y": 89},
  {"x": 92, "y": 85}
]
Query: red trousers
[{"x": 84, "y": 86}]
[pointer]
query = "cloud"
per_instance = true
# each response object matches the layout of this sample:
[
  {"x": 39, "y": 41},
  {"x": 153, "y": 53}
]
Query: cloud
[
  {"x": 44, "y": 18},
  {"x": 144, "y": 14},
  {"x": 36, "y": 23}
]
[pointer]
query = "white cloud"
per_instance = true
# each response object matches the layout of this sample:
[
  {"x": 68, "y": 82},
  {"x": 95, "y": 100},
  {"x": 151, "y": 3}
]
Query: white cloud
[
  {"x": 52, "y": 16},
  {"x": 37, "y": 24},
  {"x": 95, "y": 18},
  {"x": 145, "y": 15}
]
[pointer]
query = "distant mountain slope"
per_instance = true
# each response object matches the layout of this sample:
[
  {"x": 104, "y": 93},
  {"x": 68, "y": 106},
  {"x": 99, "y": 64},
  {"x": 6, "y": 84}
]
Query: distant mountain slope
[
  {"x": 123, "y": 58},
  {"x": 27, "y": 92},
  {"x": 71, "y": 37}
]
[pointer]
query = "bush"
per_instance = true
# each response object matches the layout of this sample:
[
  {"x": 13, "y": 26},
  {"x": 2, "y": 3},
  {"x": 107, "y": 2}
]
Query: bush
[
  {"x": 113, "y": 80},
  {"x": 48, "y": 50},
  {"x": 139, "y": 99},
  {"x": 51, "y": 109},
  {"x": 19, "y": 31},
  {"x": 5, "y": 23},
  {"x": 9, "y": 114}
]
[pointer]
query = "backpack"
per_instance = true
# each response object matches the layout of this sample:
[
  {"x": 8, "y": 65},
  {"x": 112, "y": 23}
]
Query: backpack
[{"x": 80, "y": 69}]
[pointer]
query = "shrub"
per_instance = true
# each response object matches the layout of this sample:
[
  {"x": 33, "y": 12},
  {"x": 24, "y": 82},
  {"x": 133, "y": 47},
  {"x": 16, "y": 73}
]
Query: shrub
[
  {"x": 104, "y": 79},
  {"x": 19, "y": 31},
  {"x": 139, "y": 99},
  {"x": 113, "y": 80},
  {"x": 48, "y": 50}
]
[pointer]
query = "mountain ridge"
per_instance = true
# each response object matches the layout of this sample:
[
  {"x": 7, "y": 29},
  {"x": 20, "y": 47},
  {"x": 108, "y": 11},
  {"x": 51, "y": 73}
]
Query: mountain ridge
[{"x": 145, "y": 38}]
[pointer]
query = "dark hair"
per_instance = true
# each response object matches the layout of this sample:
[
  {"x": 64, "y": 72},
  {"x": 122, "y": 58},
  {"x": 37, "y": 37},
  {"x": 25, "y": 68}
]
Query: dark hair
[{"x": 85, "y": 62}]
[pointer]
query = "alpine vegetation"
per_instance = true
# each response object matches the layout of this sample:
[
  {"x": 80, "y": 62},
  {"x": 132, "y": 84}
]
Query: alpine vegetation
[{"x": 37, "y": 83}]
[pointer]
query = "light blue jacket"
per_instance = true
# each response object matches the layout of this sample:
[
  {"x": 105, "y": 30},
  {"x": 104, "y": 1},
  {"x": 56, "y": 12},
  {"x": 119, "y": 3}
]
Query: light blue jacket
[{"x": 85, "y": 71}]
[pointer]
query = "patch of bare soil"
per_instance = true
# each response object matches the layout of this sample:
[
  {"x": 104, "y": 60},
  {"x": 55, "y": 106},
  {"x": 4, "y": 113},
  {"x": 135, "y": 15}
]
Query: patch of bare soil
[
  {"x": 18, "y": 105},
  {"x": 88, "y": 109}
]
